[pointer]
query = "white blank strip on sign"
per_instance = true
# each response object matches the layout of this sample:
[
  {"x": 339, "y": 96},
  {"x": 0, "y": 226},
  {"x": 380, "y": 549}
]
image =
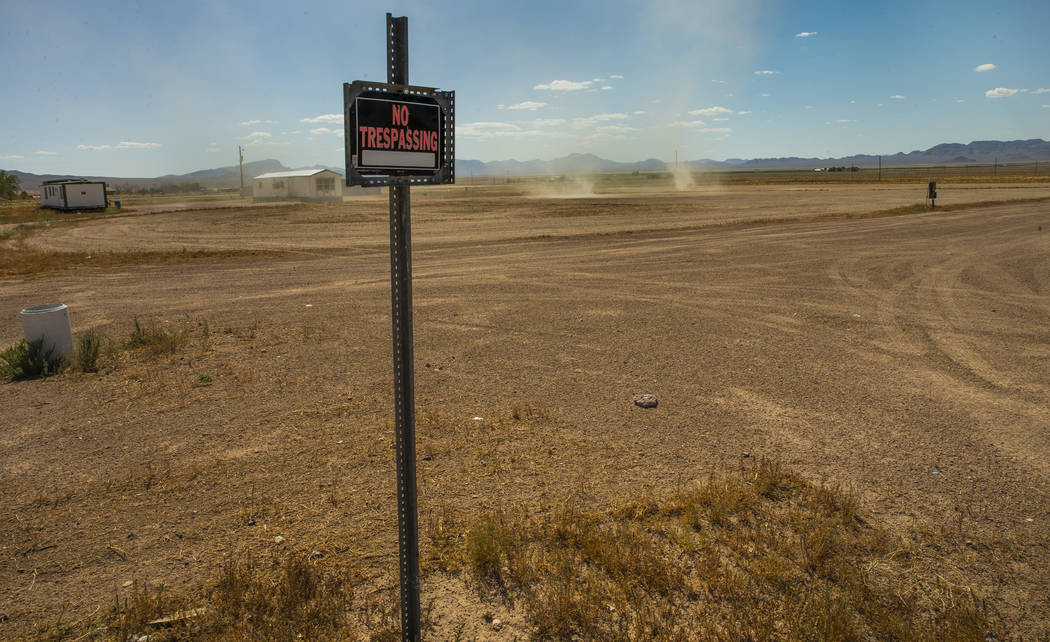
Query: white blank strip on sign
[{"x": 377, "y": 158}]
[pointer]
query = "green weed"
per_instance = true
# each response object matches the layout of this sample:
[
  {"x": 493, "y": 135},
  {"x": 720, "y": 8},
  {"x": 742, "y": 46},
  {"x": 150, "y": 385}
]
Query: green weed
[
  {"x": 29, "y": 360},
  {"x": 86, "y": 348}
]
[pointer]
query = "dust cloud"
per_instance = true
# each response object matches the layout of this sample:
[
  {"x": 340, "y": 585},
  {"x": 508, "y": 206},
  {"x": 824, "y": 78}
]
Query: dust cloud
[
  {"x": 683, "y": 177},
  {"x": 574, "y": 188}
]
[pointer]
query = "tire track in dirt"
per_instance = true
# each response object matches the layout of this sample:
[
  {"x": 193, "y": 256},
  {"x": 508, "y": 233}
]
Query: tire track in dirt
[{"x": 932, "y": 308}]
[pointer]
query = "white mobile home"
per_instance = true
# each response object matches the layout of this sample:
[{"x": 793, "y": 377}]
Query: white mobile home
[
  {"x": 73, "y": 194},
  {"x": 298, "y": 185}
]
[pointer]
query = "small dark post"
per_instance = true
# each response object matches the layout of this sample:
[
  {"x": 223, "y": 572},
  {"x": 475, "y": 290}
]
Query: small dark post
[
  {"x": 932, "y": 194},
  {"x": 404, "y": 393},
  {"x": 880, "y": 168}
]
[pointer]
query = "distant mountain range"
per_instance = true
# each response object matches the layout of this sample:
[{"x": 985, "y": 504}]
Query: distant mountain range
[{"x": 977, "y": 152}]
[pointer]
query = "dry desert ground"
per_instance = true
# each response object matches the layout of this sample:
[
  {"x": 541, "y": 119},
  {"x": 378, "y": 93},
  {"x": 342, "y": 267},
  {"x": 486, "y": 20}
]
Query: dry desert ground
[{"x": 900, "y": 354}]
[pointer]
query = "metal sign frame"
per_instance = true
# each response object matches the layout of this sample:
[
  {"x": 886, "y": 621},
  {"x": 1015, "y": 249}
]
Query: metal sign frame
[{"x": 369, "y": 177}]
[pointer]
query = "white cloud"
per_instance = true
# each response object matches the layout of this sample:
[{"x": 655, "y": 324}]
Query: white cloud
[
  {"x": 487, "y": 126},
  {"x": 604, "y": 87},
  {"x": 639, "y": 112},
  {"x": 124, "y": 144},
  {"x": 320, "y": 131},
  {"x": 689, "y": 123},
  {"x": 985, "y": 67},
  {"x": 1002, "y": 92},
  {"x": 565, "y": 85},
  {"x": 596, "y": 79},
  {"x": 765, "y": 95},
  {"x": 615, "y": 77},
  {"x": 897, "y": 97},
  {"x": 130, "y": 144},
  {"x": 256, "y": 138},
  {"x": 743, "y": 113},
  {"x": 719, "y": 82},
  {"x": 41, "y": 152},
  {"x": 324, "y": 118},
  {"x": 805, "y": 34},
  {"x": 249, "y": 123},
  {"x": 840, "y": 121},
  {"x": 548, "y": 122},
  {"x": 1046, "y": 106},
  {"x": 590, "y": 121},
  {"x": 852, "y": 102},
  {"x": 531, "y": 105},
  {"x": 960, "y": 100},
  {"x": 10, "y": 156},
  {"x": 488, "y": 130},
  {"x": 710, "y": 111},
  {"x": 1041, "y": 90},
  {"x": 615, "y": 130},
  {"x": 766, "y": 72},
  {"x": 719, "y": 119}
]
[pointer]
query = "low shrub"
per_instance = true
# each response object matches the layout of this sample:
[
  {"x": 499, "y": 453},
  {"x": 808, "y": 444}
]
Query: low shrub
[
  {"x": 29, "y": 360},
  {"x": 86, "y": 350}
]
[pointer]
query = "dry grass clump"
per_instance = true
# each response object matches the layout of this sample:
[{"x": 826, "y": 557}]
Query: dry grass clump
[
  {"x": 154, "y": 339},
  {"x": 293, "y": 596},
  {"x": 757, "y": 554}
]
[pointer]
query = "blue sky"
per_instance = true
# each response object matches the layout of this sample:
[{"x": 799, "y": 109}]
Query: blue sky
[{"x": 151, "y": 88}]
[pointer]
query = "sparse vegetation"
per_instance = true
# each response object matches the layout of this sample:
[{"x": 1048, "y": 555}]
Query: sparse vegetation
[
  {"x": 154, "y": 339},
  {"x": 29, "y": 360},
  {"x": 13, "y": 233},
  {"x": 86, "y": 348},
  {"x": 758, "y": 554},
  {"x": 282, "y": 597}
]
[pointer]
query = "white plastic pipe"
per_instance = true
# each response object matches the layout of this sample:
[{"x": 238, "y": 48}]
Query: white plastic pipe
[{"x": 50, "y": 322}]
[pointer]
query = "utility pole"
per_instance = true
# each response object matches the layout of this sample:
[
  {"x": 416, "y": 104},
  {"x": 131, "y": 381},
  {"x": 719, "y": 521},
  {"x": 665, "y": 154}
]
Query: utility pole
[{"x": 240, "y": 152}]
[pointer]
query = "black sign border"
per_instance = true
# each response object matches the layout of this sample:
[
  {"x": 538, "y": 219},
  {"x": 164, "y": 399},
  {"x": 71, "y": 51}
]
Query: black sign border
[{"x": 367, "y": 177}]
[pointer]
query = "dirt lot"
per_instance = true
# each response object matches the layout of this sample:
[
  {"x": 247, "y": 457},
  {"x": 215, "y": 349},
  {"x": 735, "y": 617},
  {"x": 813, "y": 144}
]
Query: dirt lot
[{"x": 905, "y": 356}]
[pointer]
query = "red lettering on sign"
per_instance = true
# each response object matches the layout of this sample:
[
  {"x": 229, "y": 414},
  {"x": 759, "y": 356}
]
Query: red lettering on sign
[{"x": 401, "y": 115}]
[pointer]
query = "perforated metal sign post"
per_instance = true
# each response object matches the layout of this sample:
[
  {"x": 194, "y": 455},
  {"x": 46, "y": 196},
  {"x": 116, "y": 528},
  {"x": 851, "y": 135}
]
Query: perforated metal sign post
[{"x": 398, "y": 135}]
